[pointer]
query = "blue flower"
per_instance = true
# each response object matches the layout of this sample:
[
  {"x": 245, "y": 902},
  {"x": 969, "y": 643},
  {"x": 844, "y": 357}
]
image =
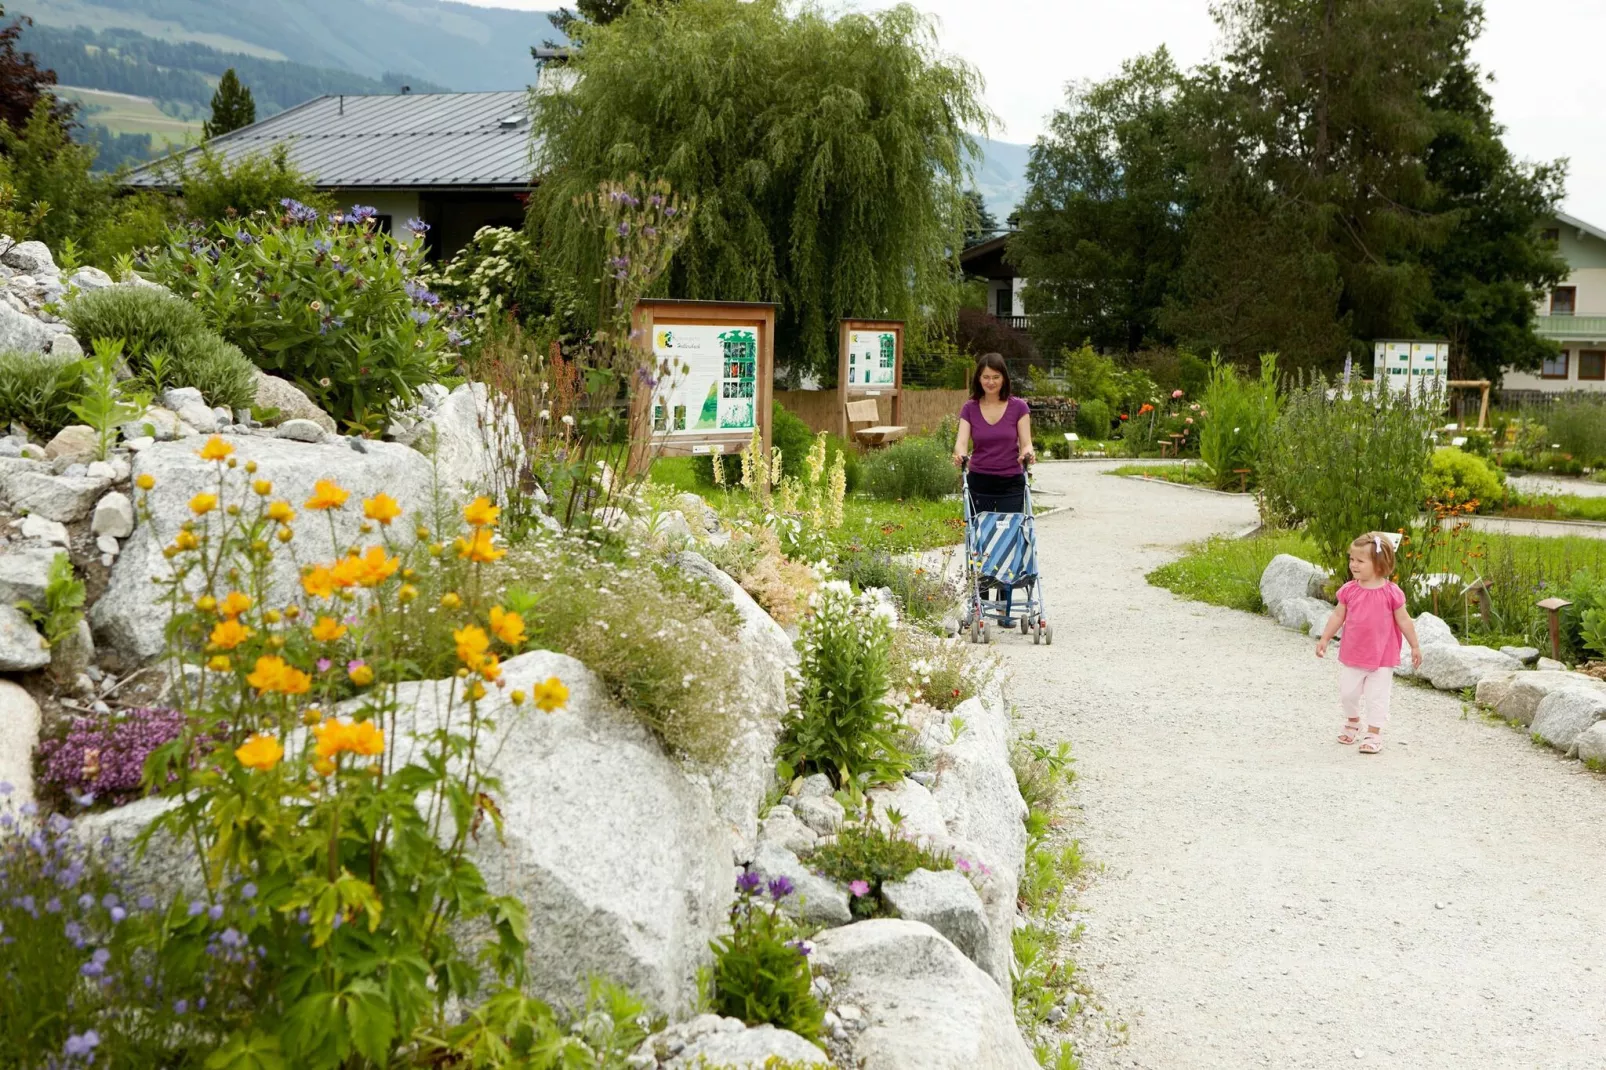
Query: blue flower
[
  {"x": 181, "y": 1006},
  {"x": 780, "y": 888},
  {"x": 216, "y": 913},
  {"x": 82, "y": 1044},
  {"x": 298, "y": 212},
  {"x": 417, "y": 226},
  {"x": 749, "y": 882},
  {"x": 147, "y": 902},
  {"x": 6, "y": 787},
  {"x": 361, "y": 213},
  {"x": 248, "y": 891},
  {"x": 86, "y": 902},
  {"x": 196, "y": 908},
  {"x": 52, "y": 905},
  {"x": 420, "y": 317}
]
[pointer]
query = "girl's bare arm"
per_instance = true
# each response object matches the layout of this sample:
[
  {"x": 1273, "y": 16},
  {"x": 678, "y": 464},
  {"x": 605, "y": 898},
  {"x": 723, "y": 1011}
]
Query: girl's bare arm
[
  {"x": 1407, "y": 628},
  {"x": 1335, "y": 621}
]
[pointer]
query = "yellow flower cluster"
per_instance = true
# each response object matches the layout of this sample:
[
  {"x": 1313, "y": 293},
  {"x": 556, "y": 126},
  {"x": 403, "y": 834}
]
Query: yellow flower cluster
[
  {"x": 273, "y": 675},
  {"x": 368, "y": 569},
  {"x": 481, "y": 516},
  {"x": 260, "y": 752},
  {"x": 337, "y": 737}
]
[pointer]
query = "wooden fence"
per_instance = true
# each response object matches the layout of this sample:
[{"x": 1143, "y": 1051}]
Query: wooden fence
[{"x": 923, "y": 410}]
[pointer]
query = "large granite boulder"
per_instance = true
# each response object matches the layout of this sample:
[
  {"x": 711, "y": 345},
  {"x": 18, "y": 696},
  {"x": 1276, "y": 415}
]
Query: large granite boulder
[
  {"x": 1520, "y": 697},
  {"x": 924, "y": 1003},
  {"x": 1452, "y": 668},
  {"x": 474, "y": 439},
  {"x": 949, "y": 903},
  {"x": 1289, "y": 577},
  {"x": 291, "y": 401},
  {"x": 129, "y": 617},
  {"x": 63, "y": 498},
  {"x": 1564, "y": 715},
  {"x": 25, "y": 572},
  {"x": 1307, "y": 616},
  {"x": 709, "y": 1041},
  {"x": 22, "y": 648},
  {"x": 19, "y": 734}
]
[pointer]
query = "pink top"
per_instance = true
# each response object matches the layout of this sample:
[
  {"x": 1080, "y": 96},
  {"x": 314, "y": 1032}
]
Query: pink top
[
  {"x": 995, "y": 447},
  {"x": 1371, "y": 637}
]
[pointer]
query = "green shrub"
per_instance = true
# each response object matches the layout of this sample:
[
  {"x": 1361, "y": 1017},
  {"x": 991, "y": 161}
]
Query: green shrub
[
  {"x": 218, "y": 189},
  {"x": 875, "y": 854},
  {"x": 913, "y": 468},
  {"x": 1241, "y": 413},
  {"x": 147, "y": 320},
  {"x": 37, "y": 391},
  {"x": 497, "y": 273},
  {"x": 843, "y": 725},
  {"x": 1576, "y": 425},
  {"x": 1347, "y": 464},
  {"x": 1093, "y": 419},
  {"x": 217, "y": 369},
  {"x": 935, "y": 671},
  {"x": 761, "y": 971},
  {"x": 1472, "y": 477},
  {"x": 922, "y": 594},
  {"x": 331, "y": 304}
]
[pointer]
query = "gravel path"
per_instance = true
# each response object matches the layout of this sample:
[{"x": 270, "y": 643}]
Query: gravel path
[{"x": 1271, "y": 898}]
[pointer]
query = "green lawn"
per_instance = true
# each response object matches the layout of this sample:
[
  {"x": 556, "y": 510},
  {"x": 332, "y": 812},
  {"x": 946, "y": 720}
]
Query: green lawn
[
  {"x": 123, "y": 114},
  {"x": 1557, "y": 507},
  {"x": 1194, "y": 473},
  {"x": 870, "y": 524},
  {"x": 1226, "y": 572}
]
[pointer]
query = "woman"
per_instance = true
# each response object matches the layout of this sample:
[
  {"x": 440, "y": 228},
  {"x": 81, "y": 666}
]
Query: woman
[{"x": 995, "y": 431}]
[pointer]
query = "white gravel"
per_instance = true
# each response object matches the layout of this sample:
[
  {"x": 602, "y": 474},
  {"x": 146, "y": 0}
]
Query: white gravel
[{"x": 1271, "y": 898}]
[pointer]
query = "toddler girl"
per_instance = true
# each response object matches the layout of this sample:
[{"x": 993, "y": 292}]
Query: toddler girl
[{"x": 1371, "y": 610}]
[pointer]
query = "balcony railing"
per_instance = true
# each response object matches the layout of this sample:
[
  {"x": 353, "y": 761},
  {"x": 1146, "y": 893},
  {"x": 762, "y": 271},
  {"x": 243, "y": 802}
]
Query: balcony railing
[
  {"x": 1019, "y": 323},
  {"x": 1572, "y": 328}
]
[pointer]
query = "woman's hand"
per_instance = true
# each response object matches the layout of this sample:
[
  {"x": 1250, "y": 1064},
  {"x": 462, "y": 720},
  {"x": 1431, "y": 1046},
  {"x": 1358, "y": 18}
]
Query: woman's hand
[
  {"x": 959, "y": 459},
  {"x": 1027, "y": 458}
]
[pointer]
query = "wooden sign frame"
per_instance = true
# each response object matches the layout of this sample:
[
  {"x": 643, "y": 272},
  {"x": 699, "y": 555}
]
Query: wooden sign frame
[
  {"x": 655, "y": 313},
  {"x": 848, "y": 392}
]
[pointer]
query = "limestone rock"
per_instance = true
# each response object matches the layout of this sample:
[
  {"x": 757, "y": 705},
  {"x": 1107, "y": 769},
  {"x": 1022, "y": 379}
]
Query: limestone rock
[
  {"x": 920, "y": 813},
  {"x": 474, "y": 438},
  {"x": 31, "y": 258},
  {"x": 816, "y": 899},
  {"x": 1550, "y": 665},
  {"x": 781, "y": 828},
  {"x": 925, "y": 1004},
  {"x": 1527, "y": 690},
  {"x": 1432, "y": 631},
  {"x": 66, "y": 347},
  {"x": 90, "y": 278},
  {"x": 300, "y": 431},
  {"x": 24, "y": 573},
  {"x": 129, "y": 617},
  {"x": 61, "y": 498},
  {"x": 75, "y": 442},
  {"x": 618, "y": 855},
  {"x": 188, "y": 404},
  {"x": 1304, "y": 615},
  {"x": 949, "y": 903},
  {"x": 22, "y": 649},
  {"x": 167, "y": 865},
  {"x": 1592, "y": 745},
  {"x": 291, "y": 401},
  {"x": 976, "y": 788},
  {"x": 38, "y": 529},
  {"x": 711, "y": 1041},
  {"x": 824, "y": 815},
  {"x": 1492, "y": 690},
  {"x": 1288, "y": 577},
  {"x": 158, "y": 423},
  {"x": 1525, "y": 654},
  {"x": 1564, "y": 715},
  {"x": 19, "y": 734},
  {"x": 1451, "y": 668},
  {"x": 114, "y": 516},
  {"x": 22, "y": 332}
]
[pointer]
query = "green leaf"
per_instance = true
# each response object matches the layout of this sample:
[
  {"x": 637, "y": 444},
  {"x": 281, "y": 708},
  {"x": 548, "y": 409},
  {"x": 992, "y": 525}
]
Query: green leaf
[{"x": 259, "y": 1051}]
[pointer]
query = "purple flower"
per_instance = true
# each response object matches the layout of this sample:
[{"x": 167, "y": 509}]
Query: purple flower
[
  {"x": 196, "y": 908},
  {"x": 802, "y": 947},
  {"x": 52, "y": 905},
  {"x": 859, "y": 889},
  {"x": 118, "y": 914},
  {"x": 216, "y": 912},
  {"x": 86, "y": 799},
  {"x": 962, "y": 865},
  {"x": 417, "y": 226},
  {"x": 780, "y": 888},
  {"x": 109, "y": 901},
  {"x": 420, "y": 317},
  {"x": 181, "y": 1006},
  {"x": 354, "y": 664},
  {"x": 6, "y": 788},
  {"x": 82, "y": 1043},
  {"x": 749, "y": 882},
  {"x": 119, "y": 747},
  {"x": 323, "y": 664},
  {"x": 248, "y": 891},
  {"x": 86, "y": 902},
  {"x": 298, "y": 212},
  {"x": 624, "y": 229},
  {"x": 454, "y": 339},
  {"x": 147, "y": 902},
  {"x": 361, "y": 213}
]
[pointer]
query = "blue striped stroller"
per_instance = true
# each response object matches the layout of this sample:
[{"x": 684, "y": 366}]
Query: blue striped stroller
[{"x": 1001, "y": 553}]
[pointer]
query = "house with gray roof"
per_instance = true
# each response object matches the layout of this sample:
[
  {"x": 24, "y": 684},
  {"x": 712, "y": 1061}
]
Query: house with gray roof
[
  {"x": 1573, "y": 314},
  {"x": 458, "y": 161}
]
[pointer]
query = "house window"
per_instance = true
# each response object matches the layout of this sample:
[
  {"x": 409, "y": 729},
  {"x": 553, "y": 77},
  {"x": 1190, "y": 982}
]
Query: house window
[
  {"x": 1555, "y": 367},
  {"x": 1006, "y": 302},
  {"x": 1592, "y": 364},
  {"x": 1563, "y": 299},
  {"x": 382, "y": 223},
  {"x": 1551, "y": 235}
]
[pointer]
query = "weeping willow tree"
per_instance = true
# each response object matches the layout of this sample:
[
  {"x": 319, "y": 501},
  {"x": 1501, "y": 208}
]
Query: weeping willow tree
[{"x": 828, "y": 158}]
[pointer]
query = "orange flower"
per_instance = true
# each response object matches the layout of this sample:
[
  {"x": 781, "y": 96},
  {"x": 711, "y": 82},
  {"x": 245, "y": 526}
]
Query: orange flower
[
  {"x": 219, "y": 663},
  {"x": 229, "y": 634},
  {"x": 281, "y": 512},
  {"x": 324, "y": 766},
  {"x": 491, "y": 667},
  {"x": 202, "y": 504},
  {"x": 336, "y": 737},
  {"x": 260, "y": 752},
  {"x": 319, "y": 582},
  {"x": 327, "y": 630},
  {"x": 480, "y": 513},
  {"x": 215, "y": 449},
  {"x": 361, "y": 675},
  {"x": 551, "y": 695},
  {"x": 235, "y": 604},
  {"x": 378, "y": 566},
  {"x": 349, "y": 571},
  {"x": 272, "y": 674},
  {"x": 479, "y": 548},
  {"x": 367, "y": 739},
  {"x": 508, "y": 627},
  {"x": 327, "y": 495},
  {"x": 472, "y": 644},
  {"x": 381, "y": 507}
]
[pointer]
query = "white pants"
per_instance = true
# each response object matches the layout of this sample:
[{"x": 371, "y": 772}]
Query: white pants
[{"x": 1365, "y": 694}]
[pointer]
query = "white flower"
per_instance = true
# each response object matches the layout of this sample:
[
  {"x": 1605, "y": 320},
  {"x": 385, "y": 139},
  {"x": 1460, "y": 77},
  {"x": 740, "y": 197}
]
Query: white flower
[
  {"x": 546, "y": 414},
  {"x": 568, "y": 420}
]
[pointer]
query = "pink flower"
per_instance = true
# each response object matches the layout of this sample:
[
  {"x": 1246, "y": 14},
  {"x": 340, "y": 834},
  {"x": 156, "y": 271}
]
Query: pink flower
[
  {"x": 859, "y": 888},
  {"x": 1189, "y": 420},
  {"x": 962, "y": 864},
  {"x": 323, "y": 664},
  {"x": 354, "y": 664},
  {"x": 1176, "y": 394}
]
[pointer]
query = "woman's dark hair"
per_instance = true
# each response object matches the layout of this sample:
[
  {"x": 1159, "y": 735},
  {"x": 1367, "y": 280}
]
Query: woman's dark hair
[{"x": 996, "y": 363}]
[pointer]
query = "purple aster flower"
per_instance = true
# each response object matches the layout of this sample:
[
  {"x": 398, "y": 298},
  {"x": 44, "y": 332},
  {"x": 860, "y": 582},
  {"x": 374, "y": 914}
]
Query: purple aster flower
[
  {"x": 802, "y": 947},
  {"x": 147, "y": 902},
  {"x": 420, "y": 317},
  {"x": 118, "y": 914},
  {"x": 248, "y": 891},
  {"x": 749, "y": 882},
  {"x": 624, "y": 229},
  {"x": 109, "y": 901},
  {"x": 417, "y": 226},
  {"x": 780, "y": 888},
  {"x": 82, "y": 1043},
  {"x": 196, "y": 908},
  {"x": 181, "y": 1006},
  {"x": 216, "y": 913},
  {"x": 454, "y": 339},
  {"x": 52, "y": 905},
  {"x": 859, "y": 889},
  {"x": 86, "y": 902}
]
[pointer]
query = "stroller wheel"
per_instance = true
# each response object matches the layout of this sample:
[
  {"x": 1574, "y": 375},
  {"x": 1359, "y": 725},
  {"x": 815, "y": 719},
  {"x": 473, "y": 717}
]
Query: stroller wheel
[
  {"x": 1037, "y": 636},
  {"x": 1048, "y": 634},
  {"x": 975, "y": 631},
  {"x": 1026, "y": 625}
]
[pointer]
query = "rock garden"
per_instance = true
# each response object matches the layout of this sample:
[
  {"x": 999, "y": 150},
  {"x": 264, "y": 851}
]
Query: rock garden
[{"x": 354, "y": 711}]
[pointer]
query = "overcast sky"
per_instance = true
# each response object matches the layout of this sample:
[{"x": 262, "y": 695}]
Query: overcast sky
[{"x": 1550, "y": 89}]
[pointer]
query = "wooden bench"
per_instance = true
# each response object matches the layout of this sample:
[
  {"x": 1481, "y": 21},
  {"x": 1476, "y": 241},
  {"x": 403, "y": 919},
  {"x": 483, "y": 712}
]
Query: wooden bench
[{"x": 867, "y": 412}]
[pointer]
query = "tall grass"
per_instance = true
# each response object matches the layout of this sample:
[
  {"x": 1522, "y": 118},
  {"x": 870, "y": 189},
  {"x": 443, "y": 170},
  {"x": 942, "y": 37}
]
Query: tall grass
[{"x": 1241, "y": 413}]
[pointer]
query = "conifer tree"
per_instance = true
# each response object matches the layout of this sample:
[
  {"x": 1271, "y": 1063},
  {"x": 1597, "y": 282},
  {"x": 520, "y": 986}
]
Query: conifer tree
[{"x": 232, "y": 107}]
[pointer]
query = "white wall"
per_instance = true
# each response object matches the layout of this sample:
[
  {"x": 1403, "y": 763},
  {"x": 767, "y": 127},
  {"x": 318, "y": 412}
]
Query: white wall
[
  {"x": 400, "y": 205},
  {"x": 1016, "y": 288}
]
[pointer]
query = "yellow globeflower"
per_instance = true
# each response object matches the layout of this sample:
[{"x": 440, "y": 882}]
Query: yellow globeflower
[
  {"x": 215, "y": 449},
  {"x": 272, "y": 674},
  {"x": 327, "y": 495},
  {"x": 324, "y": 766},
  {"x": 407, "y": 593},
  {"x": 235, "y": 604},
  {"x": 472, "y": 644},
  {"x": 206, "y": 603},
  {"x": 551, "y": 695},
  {"x": 319, "y": 582},
  {"x": 202, "y": 504},
  {"x": 281, "y": 512},
  {"x": 285, "y": 534},
  {"x": 145, "y": 481},
  {"x": 262, "y": 487},
  {"x": 229, "y": 634},
  {"x": 508, "y": 627},
  {"x": 491, "y": 668},
  {"x": 481, "y": 513},
  {"x": 517, "y": 698},
  {"x": 361, "y": 675},
  {"x": 377, "y": 567},
  {"x": 260, "y": 752},
  {"x": 479, "y": 548},
  {"x": 186, "y": 540},
  {"x": 382, "y": 508},
  {"x": 218, "y": 663},
  {"x": 327, "y": 630},
  {"x": 451, "y": 600},
  {"x": 366, "y": 738},
  {"x": 475, "y": 691}
]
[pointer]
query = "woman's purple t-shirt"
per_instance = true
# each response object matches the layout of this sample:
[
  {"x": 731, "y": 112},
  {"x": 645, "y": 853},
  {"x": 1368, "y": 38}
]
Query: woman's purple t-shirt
[{"x": 996, "y": 447}]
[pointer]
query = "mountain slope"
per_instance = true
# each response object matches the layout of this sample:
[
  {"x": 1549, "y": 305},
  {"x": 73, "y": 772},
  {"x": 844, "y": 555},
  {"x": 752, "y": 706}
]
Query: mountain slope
[
  {"x": 455, "y": 45},
  {"x": 1001, "y": 175}
]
